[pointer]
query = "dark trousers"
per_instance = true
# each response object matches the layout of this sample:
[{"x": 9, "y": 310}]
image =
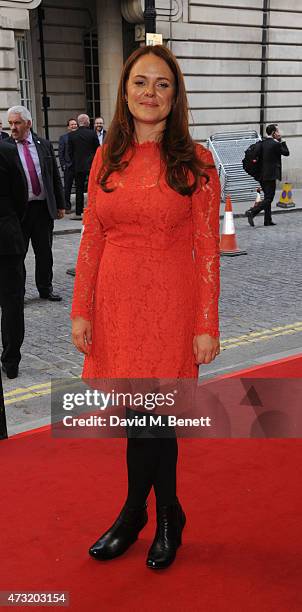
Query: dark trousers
[
  {"x": 80, "y": 183},
  {"x": 3, "y": 428},
  {"x": 38, "y": 227},
  {"x": 12, "y": 308},
  {"x": 68, "y": 180},
  {"x": 151, "y": 461},
  {"x": 269, "y": 190}
]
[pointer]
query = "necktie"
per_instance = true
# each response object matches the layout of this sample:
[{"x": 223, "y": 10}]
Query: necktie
[{"x": 35, "y": 184}]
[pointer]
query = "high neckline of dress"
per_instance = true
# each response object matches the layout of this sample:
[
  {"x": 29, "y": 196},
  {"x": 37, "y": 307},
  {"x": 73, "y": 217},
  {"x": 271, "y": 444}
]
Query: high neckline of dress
[{"x": 147, "y": 144}]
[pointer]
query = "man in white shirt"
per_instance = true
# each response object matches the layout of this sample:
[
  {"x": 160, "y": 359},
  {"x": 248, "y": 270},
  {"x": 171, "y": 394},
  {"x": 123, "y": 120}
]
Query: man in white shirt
[{"x": 99, "y": 128}]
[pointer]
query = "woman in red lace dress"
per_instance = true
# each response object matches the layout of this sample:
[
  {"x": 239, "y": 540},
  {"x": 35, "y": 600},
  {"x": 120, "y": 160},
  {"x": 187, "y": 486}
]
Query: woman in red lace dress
[{"x": 147, "y": 278}]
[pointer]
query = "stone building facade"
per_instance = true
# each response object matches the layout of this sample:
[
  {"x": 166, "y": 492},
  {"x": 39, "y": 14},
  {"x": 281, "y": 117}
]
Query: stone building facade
[{"x": 242, "y": 61}]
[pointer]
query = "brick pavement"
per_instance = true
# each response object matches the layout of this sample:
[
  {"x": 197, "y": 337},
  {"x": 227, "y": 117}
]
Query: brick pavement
[{"x": 259, "y": 290}]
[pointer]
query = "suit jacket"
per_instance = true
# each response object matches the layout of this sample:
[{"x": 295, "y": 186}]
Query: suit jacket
[
  {"x": 64, "y": 158},
  {"x": 104, "y": 135},
  {"x": 4, "y": 135},
  {"x": 13, "y": 201},
  {"x": 271, "y": 151},
  {"x": 82, "y": 146},
  {"x": 50, "y": 175}
]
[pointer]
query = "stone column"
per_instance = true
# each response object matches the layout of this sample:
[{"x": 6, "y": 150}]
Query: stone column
[
  {"x": 109, "y": 20},
  {"x": 14, "y": 16}
]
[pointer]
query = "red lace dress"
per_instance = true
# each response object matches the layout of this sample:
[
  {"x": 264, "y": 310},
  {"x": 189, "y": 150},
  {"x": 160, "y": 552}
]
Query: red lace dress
[{"x": 147, "y": 274}]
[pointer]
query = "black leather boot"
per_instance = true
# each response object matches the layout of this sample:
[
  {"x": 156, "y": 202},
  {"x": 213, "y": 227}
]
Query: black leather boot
[
  {"x": 121, "y": 535},
  {"x": 170, "y": 523}
]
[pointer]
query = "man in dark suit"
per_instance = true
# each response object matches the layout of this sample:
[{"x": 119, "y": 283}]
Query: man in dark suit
[
  {"x": 66, "y": 163},
  {"x": 270, "y": 151},
  {"x": 13, "y": 204},
  {"x": 46, "y": 197},
  {"x": 82, "y": 147},
  {"x": 3, "y": 135},
  {"x": 99, "y": 129}
]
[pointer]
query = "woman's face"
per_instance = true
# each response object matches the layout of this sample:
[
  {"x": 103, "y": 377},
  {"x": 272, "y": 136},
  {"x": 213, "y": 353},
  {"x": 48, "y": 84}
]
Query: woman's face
[{"x": 150, "y": 90}]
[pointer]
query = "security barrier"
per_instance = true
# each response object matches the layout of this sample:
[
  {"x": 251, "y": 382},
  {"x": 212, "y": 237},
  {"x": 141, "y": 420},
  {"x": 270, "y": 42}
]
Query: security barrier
[{"x": 228, "y": 152}]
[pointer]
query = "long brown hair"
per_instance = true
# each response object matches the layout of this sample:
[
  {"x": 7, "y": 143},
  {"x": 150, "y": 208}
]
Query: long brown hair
[{"x": 184, "y": 169}]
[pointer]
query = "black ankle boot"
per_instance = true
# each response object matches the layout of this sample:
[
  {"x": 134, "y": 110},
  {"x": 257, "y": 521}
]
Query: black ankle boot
[
  {"x": 170, "y": 523},
  {"x": 121, "y": 535}
]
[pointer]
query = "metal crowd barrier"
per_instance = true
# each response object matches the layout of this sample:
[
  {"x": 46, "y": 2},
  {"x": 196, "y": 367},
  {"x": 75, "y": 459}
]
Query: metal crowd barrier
[
  {"x": 228, "y": 152},
  {"x": 3, "y": 429}
]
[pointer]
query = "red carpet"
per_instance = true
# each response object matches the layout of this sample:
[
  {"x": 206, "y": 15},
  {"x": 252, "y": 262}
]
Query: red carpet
[{"x": 242, "y": 546}]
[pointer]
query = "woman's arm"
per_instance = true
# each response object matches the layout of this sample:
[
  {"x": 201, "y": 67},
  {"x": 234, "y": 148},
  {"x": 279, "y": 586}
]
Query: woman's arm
[
  {"x": 205, "y": 214},
  {"x": 90, "y": 252}
]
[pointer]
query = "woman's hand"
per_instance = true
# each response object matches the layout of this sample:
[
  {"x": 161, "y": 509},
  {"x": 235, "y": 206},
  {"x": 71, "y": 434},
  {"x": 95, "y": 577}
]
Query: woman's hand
[
  {"x": 205, "y": 348},
  {"x": 81, "y": 334}
]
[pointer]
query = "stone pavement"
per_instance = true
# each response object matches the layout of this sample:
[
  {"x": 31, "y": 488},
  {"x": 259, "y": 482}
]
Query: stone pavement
[{"x": 260, "y": 291}]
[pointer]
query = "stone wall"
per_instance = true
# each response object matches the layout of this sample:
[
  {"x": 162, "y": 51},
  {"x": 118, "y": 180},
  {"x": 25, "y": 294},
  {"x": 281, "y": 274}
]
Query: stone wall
[
  {"x": 64, "y": 25},
  {"x": 10, "y": 20},
  {"x": 219, "y": 49}
]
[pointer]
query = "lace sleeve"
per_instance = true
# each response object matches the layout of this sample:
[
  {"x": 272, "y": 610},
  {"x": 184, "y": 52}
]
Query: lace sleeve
[
  {"x": 205, "y": 213},
  {"x": 91, "y": 249}
]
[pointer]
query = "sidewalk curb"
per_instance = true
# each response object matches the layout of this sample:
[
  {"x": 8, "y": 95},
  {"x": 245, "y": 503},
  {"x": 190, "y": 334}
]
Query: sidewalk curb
[
  {"x": 67, "y": 231},
  {"x": 243, "y": 364},
  {"x": 274, "y": 212},
  {"x": 58, "y": 232}
]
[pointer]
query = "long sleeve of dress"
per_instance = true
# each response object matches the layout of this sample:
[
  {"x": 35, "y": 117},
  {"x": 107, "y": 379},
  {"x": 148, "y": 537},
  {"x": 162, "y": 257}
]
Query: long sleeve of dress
[
  {"x": 90, "y": 252},
  {"x": 205, "y": 213}
]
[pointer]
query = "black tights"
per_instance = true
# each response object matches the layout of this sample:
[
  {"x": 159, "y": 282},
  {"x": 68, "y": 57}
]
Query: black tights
[{"x": 151, "y": 461}]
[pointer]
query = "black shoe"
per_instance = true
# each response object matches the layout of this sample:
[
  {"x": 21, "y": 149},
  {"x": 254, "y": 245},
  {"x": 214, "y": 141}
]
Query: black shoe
[
  {"x": 250, "y": 219},
  {"x": 52, "y": 297},
  {"x": 11, "y": 371},
  {"x": 266, "y": 223},
  {"x": 170, "y": 523},
  {"x": 121, "y": 535}
]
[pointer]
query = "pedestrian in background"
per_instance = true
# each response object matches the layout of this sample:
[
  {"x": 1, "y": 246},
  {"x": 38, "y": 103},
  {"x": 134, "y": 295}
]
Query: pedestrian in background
[
  {"x": 82, "y": 145},
  {"x": 66, "y": 164},
  {"x": 3, "y": 135},
  {"x": 13, "y": 204},
  {"x": 270, "y": 151},
  {"x": 99, "y": 129},
  {"x": 45, "y": 196}
]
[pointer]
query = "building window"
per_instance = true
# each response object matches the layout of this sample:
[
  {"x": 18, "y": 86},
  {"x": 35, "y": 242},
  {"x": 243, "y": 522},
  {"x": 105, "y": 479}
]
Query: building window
[
  {"x": 24, "y": 71},
  {"x": 91, "y": 51}
]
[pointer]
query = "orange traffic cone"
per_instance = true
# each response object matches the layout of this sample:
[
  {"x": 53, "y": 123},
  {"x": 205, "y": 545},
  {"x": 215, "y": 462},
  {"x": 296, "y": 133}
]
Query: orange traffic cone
[{"x": 228, "y": 240}]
